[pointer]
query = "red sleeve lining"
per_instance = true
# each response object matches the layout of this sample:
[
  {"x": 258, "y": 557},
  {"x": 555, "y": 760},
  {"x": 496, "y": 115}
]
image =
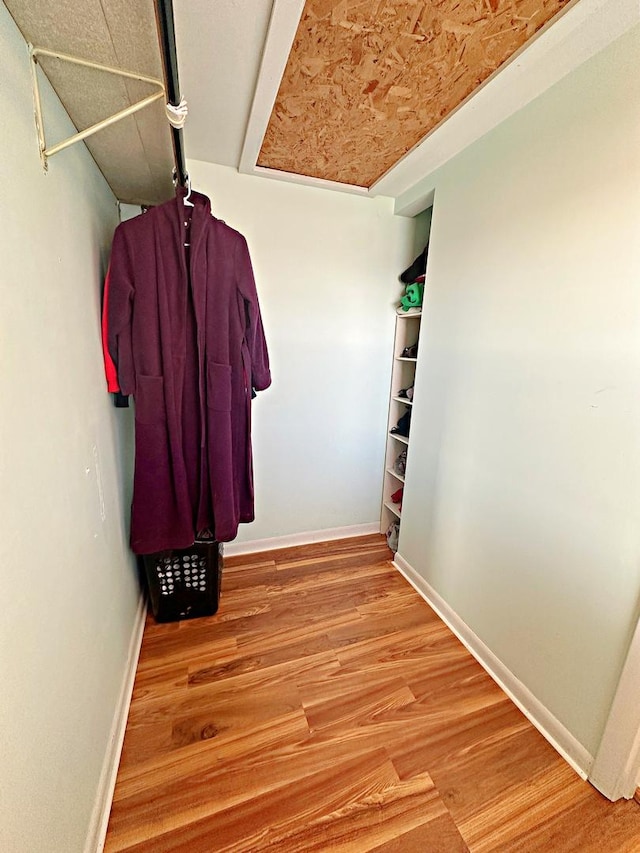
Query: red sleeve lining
[{"x": 109, "y": 367}]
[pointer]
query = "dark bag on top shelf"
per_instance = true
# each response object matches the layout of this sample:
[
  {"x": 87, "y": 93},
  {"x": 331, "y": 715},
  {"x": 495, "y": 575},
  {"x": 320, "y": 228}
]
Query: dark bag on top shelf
[{"x": 417, "y": 268}]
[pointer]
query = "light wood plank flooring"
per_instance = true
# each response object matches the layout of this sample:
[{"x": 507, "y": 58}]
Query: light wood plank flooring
[{"x": 325, "y": 707}]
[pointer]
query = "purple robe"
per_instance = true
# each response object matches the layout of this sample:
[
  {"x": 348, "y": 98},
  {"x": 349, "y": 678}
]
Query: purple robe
[{"x": 185, "y": 333}]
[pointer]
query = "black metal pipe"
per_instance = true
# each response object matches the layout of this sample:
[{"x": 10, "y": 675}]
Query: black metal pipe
[{"x": 164, "y": 13}]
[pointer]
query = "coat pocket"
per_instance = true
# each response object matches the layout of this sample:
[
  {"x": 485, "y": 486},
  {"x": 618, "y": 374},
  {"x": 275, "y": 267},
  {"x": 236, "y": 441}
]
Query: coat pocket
[
  {"x": 219, "y": 386},
  {"x": 149, "y": 399}
]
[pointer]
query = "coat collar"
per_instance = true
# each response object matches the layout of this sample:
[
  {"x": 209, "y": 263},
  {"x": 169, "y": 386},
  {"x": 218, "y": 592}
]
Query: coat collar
[{"x": 199, "y": 219}]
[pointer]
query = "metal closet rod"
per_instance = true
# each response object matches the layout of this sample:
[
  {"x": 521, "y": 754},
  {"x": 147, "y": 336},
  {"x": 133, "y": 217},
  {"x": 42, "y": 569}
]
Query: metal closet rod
[{"x": 164, "y": 11}]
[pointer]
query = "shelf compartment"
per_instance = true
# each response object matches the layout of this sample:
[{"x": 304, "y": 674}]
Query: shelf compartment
[
  {"x": 394, "y": 508},
  {"x": 406, "y": 339},
  {"x": 400, "y": 438}
]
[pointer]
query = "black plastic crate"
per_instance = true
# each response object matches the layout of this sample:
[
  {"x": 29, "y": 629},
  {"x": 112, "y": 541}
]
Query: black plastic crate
[{"x": 184, "y": 583}]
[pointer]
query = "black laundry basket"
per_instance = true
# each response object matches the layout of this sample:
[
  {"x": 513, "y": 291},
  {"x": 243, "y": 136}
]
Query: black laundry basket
[{"x": 185, "y": 582}]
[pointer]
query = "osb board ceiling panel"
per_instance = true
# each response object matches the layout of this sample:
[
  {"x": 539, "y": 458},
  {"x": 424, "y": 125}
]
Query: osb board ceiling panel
[
  {"x": 366, "y": 80},
  {"x": 134, "y": 155}
]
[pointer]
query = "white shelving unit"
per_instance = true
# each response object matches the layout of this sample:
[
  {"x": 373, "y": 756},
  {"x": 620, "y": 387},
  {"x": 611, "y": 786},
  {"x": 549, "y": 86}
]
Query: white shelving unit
[{"x": 402, "y": 376}]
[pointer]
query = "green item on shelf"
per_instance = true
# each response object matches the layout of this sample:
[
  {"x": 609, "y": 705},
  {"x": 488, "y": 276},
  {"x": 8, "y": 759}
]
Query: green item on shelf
[{"x": 412, "y": 296}]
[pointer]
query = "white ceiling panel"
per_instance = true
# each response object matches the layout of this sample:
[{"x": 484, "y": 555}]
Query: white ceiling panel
[{"x": 220, "y": 48}]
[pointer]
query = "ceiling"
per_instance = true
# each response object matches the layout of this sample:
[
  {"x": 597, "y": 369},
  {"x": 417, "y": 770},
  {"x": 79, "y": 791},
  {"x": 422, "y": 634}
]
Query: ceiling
[
  {"x": 253, "y": 47},
  {"x": 361, "y": 96}
]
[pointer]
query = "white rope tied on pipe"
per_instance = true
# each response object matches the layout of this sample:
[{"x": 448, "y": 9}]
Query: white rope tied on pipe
[{"x": 177, "y": 115}]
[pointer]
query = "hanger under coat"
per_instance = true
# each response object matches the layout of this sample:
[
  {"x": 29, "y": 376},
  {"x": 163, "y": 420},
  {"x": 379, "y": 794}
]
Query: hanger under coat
[{"x": 185, "y": 200}]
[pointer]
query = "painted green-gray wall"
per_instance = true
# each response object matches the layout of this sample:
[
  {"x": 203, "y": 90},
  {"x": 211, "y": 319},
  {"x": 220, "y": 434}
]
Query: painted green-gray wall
[
  {"x": 326, "y": 267},
  {"x": 69, "y": 586},
  {"x": 522, "y": 501}
]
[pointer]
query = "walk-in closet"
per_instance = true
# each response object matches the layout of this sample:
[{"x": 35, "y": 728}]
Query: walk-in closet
[{"x": 320, "y": 426}]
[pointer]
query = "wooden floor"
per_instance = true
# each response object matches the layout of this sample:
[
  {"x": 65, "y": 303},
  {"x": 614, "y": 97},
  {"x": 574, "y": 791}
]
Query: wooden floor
[{"x": 326, "y": 708}]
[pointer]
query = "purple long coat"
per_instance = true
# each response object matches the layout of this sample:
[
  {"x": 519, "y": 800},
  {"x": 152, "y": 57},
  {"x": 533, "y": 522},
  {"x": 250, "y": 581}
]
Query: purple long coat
[{"x": 185, "y": 333}]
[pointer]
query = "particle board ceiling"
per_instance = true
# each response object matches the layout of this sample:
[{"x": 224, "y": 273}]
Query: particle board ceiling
[
  {"x": 135, "y": 155},
  {"x": 367, "y": 80}
]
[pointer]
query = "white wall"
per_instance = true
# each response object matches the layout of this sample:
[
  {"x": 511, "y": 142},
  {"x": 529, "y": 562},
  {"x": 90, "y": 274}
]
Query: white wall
[
  {"x": 68, "y": 584},
  {"x": 522, "y": 503},
  {"x": 326, "y": 266}
]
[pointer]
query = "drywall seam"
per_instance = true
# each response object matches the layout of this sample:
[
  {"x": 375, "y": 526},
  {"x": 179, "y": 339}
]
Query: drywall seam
[
  {"x": 104, "y": 796},
  {"x": 560, "y": 738}
]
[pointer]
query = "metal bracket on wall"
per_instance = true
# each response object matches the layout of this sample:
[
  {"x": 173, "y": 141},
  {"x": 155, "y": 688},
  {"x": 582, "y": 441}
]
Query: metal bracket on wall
[{"x": 45, "y": 153}]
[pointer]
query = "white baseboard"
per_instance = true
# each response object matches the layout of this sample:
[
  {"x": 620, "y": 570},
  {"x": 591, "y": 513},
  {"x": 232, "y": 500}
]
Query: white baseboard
[
  {"x": 560, "y": 738},
  {"x": 232, "y": 549},
  {"x": 106, "y": 786}
]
